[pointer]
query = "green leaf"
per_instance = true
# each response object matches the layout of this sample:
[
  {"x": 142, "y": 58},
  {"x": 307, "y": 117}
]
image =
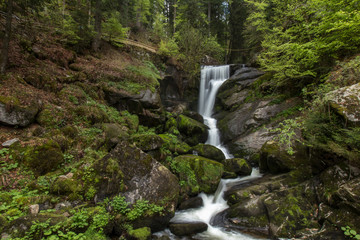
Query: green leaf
[{"x": 352, "y": 232}]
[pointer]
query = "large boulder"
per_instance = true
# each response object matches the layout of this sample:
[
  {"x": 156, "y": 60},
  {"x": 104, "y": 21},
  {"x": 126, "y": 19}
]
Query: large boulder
[
  {"x": 147, "y": 142},
  {"x": 209, "y": 151},
  {"x": 194, "y": 132},
  {"x": 43, "y": 158},
  {"x": 275, "y": 158},
  {"x": 137, "y": 176},
  {"x": 346, "y": 102},
  {"x": 237, "y": 165},
  {"x": 197, "y": 174},
  {"x": 13, "y": 114},
  {"x": 146, "y": 104}
]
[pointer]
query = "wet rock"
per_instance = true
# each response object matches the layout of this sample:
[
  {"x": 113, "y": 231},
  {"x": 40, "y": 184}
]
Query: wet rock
[
  {"x": 193, "y": 130},
  {"x": 198, "y": 174},
  {"x": 346, "y": 102},
  {"x": 195, "y": 202},
  {"x": 209, "y": 151},
  {"x": 188, "y": 228},
  {"x": 237, "y": 165},
  {"x": 10, "y": 142},
  {"x": 15, "y": 115}
]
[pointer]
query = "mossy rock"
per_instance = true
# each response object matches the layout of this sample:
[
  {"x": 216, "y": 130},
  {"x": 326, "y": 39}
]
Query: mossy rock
[
  {"x": 42, "y": 80},
  {"x": 147, "y": 142},
  {"x": 197, "y": 174},
  {"x": 292, "y": 210},
  {"x": 52, "y": 116},
  {"x": 3, "y": 223},
  {"x": 92, "y": 114},
  {"x": 23, "y": 224},
  {"x": 131, "y": 120},
  {"x": 44, "y": 158},
  {"x": 65, "y": 186},
  {"x": 140, "y": 234},
  {"x": 250, "y": 213},
  {"x": 74, "y": 94},
  {"x": 209, "y": 151},
  {"x": 172, "y": 143},
  {"x": 171, "y": 126},
  {"x": 275, "y": 158},
  {"x": 237, "y": 165},
  {"x": 193, "y": 131},
  {"x": 114, "y": 133},
  {"x": 70, "y": 131},
  {"x": 12, "y": 113}
]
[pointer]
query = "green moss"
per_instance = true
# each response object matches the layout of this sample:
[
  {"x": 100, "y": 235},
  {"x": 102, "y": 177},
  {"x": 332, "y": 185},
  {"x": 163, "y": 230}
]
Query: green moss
[
  {"x": 52, "y": 116},
  {"x": 44, "y": 158},
  {"x": 141, "y": 233},
  {"x": 66, "y": 186},
  {"x": 172, "y": 143},
  {"x": 197, "y": 174},
  {"x": 3, "y": 223}
]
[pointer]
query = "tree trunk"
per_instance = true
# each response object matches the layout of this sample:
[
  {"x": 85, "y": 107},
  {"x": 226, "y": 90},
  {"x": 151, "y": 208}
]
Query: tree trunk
[
  {"x": 209, "y": 16},
  {"x": 174, "y": 20},
  {"x": 6, "y": 40},
  {"x": 97, "y": 26}
]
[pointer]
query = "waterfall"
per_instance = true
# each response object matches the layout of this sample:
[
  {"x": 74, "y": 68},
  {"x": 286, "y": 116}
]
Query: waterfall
[{"x": 211, "y": 80}]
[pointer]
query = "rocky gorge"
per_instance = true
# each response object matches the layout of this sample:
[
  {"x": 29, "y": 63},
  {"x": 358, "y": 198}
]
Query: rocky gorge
[{"x": 121, "y": 161}]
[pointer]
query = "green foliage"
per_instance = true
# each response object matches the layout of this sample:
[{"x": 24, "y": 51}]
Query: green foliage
[
  {"x": 168, "y": 48},
  {"x": 139, "y": 209},
  {"x": 113, "y": 29},
  {"x": 119, "y": 205},
  {"x": 301, "y": 39},
  {"x": 350, "y": 233},
  {"x": 286, "y": 133}
]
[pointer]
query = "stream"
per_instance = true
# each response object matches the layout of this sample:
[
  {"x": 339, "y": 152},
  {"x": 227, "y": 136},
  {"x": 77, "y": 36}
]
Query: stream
[{"x": 212, "y": 77}]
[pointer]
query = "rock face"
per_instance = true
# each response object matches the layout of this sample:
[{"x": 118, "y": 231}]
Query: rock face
[
  {"x": 17, "y": 115},
  {"x": 346, "y": 102},
  {"x": 238, "y": 117},
  {"x": 198, "y": 174},
  {"x": 146, "y": 104}
]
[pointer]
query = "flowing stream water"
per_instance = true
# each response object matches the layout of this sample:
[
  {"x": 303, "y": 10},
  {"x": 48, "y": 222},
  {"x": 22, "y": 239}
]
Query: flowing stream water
[{"x": 211, "y": 80}]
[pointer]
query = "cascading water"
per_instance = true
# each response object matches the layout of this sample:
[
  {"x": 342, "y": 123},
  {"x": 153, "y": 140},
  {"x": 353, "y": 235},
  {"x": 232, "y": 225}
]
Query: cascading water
[{"x": 211, "y": 80}]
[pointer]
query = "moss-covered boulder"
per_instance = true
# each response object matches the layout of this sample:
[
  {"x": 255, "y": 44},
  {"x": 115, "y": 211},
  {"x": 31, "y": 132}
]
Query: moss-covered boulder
[
  {"x": 44, "y": 158},
  {"x": 52, "y": 116},
  {"x": 147, "y": 142},
  {"x": 292, "y": 210},
  {"x": 137, "y": 176},
  {"x": 346, "y": 102},
  {"x": 12, "y": 113},
  {"x": 172, "y": 143},
  {"x": 209, "y": 151},
  {"x": 197, "y": 174},
  {"x": 251, "y": 214},
  {"x": 114, "y": 133},
  {"x": 193, "y": 131},
  {"x": 237, "y": 165},
  {"x": 275, "y": 158}
]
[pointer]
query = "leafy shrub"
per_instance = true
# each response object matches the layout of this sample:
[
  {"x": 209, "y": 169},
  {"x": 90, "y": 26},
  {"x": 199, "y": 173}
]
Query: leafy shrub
[{"x": 168, "y": 48}]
